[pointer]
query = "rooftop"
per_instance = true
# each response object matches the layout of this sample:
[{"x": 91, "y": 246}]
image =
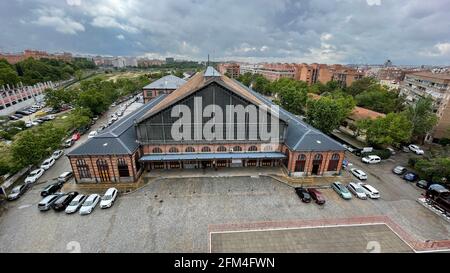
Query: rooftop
[
  {"x": 167, "y": 82},
  {"x": 445, "y": 77}
]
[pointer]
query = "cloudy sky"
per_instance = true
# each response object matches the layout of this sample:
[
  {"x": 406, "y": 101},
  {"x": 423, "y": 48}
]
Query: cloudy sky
[{"x": 325, "y": 31}]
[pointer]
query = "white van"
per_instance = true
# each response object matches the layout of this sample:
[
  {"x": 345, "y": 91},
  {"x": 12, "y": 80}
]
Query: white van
[{"x": 371, "y": 159}]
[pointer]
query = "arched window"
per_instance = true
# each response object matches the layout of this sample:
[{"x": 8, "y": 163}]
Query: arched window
[
  {"x": 206, "y": 149},
  {"x": 222, "y": 149},
  {"x": 173, "y": 150},
  {"x": 122, "y": 166},
  {"x": 83, "y": 169},
  {"x": 103, "y": 170},
  {"x": 253, "y": 149},
  {"x": 237, "y": 149},
  {"x": 317, "y": 163},
  {"x": 190, "y": 150},
  {"x": 157, "y": 150},
  {"x": 300, "y": 163},
  {"x": 334, "y": 162}
]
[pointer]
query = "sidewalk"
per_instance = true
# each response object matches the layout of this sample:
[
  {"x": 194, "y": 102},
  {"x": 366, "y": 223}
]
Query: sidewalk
[{"x": 210, "y": 172}]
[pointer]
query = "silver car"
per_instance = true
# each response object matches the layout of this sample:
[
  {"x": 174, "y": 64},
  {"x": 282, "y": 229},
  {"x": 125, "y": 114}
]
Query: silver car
[
  {"x": 46, "y": 203},
  {"x": 90, "y": 204},
  {"x": 75, "y": 204},
  {"x": 357, "y": 190}
]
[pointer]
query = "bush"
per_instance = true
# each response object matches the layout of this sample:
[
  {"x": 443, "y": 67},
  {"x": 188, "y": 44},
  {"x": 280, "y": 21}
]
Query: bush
[
  {"x": 444, "y": 141},
  {"x": 412, "y": 162}
]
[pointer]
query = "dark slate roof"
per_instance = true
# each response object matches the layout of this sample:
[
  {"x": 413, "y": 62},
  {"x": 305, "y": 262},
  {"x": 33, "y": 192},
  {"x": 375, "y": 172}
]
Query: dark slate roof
[
  {"x": 301, "y": 136},
  {"x": 167, "y": 82},
  {"x": 119, "y": 138}
]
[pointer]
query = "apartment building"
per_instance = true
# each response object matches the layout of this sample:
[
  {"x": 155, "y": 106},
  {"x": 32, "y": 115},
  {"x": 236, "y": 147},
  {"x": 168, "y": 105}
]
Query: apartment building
[
  {"x": 231, "y": 69},
  {"x": 436, "y": 86},
  {"x": 35, "y": 54}
]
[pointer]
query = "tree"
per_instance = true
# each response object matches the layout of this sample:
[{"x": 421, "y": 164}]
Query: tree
[
  {"x": 434, "y": 169},
  {"x": 292, "y": 94},
  {"x": 7, "y": 74},
  {"x": 394, "y": 129},
  {"x": 379, "y": 99},
  {"x": 79, "y": 75},
  {"x": 359, "y": 86},
  {"x": 422, "y": 117},
  {"x": 55, "y": 98},
  {"x": 260, "y": 84},
  {"x": 327, "y": 113}
]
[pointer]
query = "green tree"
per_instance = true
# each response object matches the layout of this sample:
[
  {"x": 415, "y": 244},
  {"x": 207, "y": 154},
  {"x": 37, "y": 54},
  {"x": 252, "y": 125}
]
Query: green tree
[
  {"x": 8, "y": 74},
  {"x": 327, "y": 113},
  {"x": 260, "y": 84},
  {"x": 394, "y": 129},
  {"x": 379, "y": 99},
  {"x": 359, "y": 86},
  {"x": 79, "y": 75},
  {"x": 55, "y": 98},
  {"x": 434, "y": 169},
  {"x": 422, "y": 117},
  {"x": 292, "y": 94}
]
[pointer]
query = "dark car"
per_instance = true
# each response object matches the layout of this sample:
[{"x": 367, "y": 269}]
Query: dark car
[
  {"x": 17, "y": 192},
  {"x": 20, "y": 114},
  {"x": 410, "y": 176},
  {"x": 303, "y": 194},
  {"x": 423, "y": 184},
  {"x": 14, "y": 117},
  {"x": 52, "y": 188},
  {"x": 63, "y": 201},
  {"x": 316, "y": 196}
]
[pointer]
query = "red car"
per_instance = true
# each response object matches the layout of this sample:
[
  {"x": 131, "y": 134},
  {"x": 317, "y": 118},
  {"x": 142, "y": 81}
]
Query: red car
[
  {"x": 76, "y": 136},
  {"x": 317, "y": 196}
]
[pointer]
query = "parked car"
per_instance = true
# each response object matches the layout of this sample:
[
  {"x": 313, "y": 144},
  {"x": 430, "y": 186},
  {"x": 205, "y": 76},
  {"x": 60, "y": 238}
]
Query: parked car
[
  {"x": 46, "y": 203},
  {"x": 359, "y": 174},
  {"x": 340, "y": 189},
  {"x": 92, "y": 134},
  {"x": 423, "y": 184},
  {"x": 369, "y": 190},
  {"x": 63, "y": 201},
  {"x": 14, "y": 117},
  {"x": 17, "y": 192},
  {"x": 22, "y": 113},
  {"x": 399, "y": 170},
  {"x": 76, "y": 203},
  {"x": 108, "y": 198},
  {"x": 65, "y": 176},
  {"x": 76, "y": 136},
  {"x": 34, "y": 175},
  {"x": 90, "y": 204},
  {"x": 410, "y": 176},
  {"x": 371, "y": 159},
  {"x": 405, "y": 149},
  {"x": 68, "y": 143},
  {"x": 390, "y": 149},
  {"x": 57, "y": 154},
  {"x": 48, "y": 163},
  {"x": 416, "y": 149},
  {"x": 303, "y": 194},
  {"x": 52, "y": 188},
  {"x": 316, "y": 196},
  {"x": 357, "y": 190}
]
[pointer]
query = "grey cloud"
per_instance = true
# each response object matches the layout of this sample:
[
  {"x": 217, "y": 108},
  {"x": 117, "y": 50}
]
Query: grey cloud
[{"x": 406, "y": 31}]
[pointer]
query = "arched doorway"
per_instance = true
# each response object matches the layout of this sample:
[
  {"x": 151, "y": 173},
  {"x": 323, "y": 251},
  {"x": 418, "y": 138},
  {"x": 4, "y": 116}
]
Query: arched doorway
[
  {"x": 103, "y": 170},
  {"x": 300, "y": 163},
  {"x": 317, "y": 163},
  {"x": 334, "y": 162}
]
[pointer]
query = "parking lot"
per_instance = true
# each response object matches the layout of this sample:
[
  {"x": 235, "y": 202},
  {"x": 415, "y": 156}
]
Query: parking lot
[{"x": 174, "y": 215}]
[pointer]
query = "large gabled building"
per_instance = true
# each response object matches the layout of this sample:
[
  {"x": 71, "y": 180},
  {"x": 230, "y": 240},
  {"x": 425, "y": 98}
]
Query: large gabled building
[
  {"x": 145, "y": 139},
  {"x": 164, "y": 85}
]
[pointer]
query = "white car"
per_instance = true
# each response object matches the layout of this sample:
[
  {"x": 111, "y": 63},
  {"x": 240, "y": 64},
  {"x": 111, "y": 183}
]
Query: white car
[
  {"x": 369, "y": 190},
  {"x": 57, "y": 154},
  {"x": 114, "y": 118},
  {"x": 359, "y": 174},
  {"x": 90, "y": 204},
  {"x": 75, "y": 204},
  {"x": 92, "y": 134},
  {"x": 371, "y": 159},
  {"x": 416, "y": 149},
  {"x": 357, "y": 190},
  {"x": 65, "y": 176},
  {"x": 28, "y": 124},
  {"x": 109, "y": 198},
  {"x": 34, "y": 176},
  {"x": 48, "y": 163}
]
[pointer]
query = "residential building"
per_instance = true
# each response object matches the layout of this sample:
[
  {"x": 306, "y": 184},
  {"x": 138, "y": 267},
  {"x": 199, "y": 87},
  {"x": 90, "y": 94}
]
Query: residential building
[
  {"x": 164, "y": 85},
  {"x": 119, "y": 62},
  {"x": 436, "y": 86},
  {"x": 144, "y": 140},
  {"x": 231, "y": 69},
  {"x": 35, "y": 54}
]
